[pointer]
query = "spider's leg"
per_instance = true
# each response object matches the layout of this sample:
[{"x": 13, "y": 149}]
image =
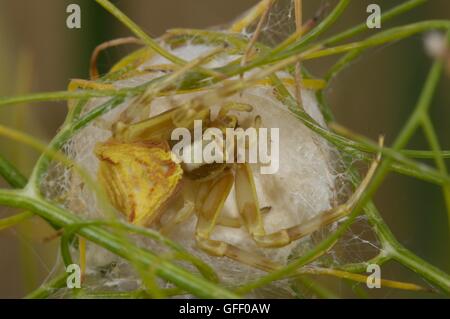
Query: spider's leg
[
  {"x": 180, "y": 216},
  {"x": 213, "y": 195},
  {"x": 232, "y": 222},
  {"x": 158, "y": 127},
  {"x": 208, "y": 215},
  {"x": 247, "y": 200},
  {"x": 233, "y": 106},
  {"x": 248, "y": 206},
  {"x": 93, "y": 71},
  {"x": 222, "y": 220}
]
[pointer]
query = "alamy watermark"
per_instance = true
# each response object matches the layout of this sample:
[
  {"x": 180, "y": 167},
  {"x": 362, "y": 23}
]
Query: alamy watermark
[
  {"x": 374, "y": 279},
  {"x": 73, "y": 20},
  {"x": 74, "y": 277},
  {"x": 212, "y": 145},
  {"x": 374, "y": 19}
]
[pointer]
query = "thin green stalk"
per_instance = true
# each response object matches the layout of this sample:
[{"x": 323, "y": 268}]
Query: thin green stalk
[
  {"x": 214, "y": 36},
  {"x": 60, "y": 96},
  {"x": 358, "y": 48},
  {"x": 318, "y": 289},
  {"x": 11, "y": 174},
  {"x": 111, "y": 241},
  {"x": 343, "y": 62},
  {"x": 319, "y": 29},
  {"x": 421, "y": 108},
  {"x": 47, "y": 290},
  {"x": 360, "y": 144},
  {"x": 425, "y": 154},
  {"x": 178, "y": 251},
  {"x": 14, "y": 220},
  {"x": 357, "y": 288},
  {"x": 379, "y": 259},
  {"x": 154, "y": 45},
  {"x": 136, "y": 294},
  {"x": 309, "y": 256},
  {"x": 232, "y": 70},
  {"x": 74, "y": 113},
  {"x": 138, "y": 31},
  {"x": 402, "y": 164},
  {"x": 203, "y": 268},
  {"x": 64, "y": 135},
  {"x": 396, "y": 251},
  {"x": 429, "y": 272},
  {"x": 391, "y": 247},
  {"x": 435, "y": 276},
  {"x": 360, "y": 28},
  {"x": 393, "y": 34},
  {"x": 436, "y": 148},
  {"x": 410, "y": 167},
  {"x": 414, "y": 173}
]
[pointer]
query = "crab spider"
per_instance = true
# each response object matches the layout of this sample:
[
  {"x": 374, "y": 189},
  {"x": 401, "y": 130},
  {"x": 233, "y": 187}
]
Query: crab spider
[{"x": 141, "y": 179}]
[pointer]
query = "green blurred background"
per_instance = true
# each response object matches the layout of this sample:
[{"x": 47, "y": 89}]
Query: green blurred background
[{"x": 373, "y": 96}]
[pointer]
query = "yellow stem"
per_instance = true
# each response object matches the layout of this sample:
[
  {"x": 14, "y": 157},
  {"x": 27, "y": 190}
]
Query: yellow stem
[
  {"x": 363, "y": 278},
  {"x": 251, "y": 16}
]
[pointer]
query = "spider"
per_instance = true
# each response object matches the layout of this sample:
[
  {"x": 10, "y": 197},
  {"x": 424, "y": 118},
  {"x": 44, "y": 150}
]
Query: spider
[{"x": 141, "y": 178}]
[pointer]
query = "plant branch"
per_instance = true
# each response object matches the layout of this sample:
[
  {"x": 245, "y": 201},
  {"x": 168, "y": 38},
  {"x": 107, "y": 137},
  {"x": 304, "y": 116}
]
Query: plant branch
[
  {"x": 111, "y": 241},
  {"x": 11, "y": 174}
]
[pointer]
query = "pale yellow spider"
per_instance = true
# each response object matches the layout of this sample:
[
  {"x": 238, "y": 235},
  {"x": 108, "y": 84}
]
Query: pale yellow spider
[{"x": 140, "y": 177}]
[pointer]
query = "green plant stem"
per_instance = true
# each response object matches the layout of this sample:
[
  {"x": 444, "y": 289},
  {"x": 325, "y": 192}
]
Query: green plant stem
[
  {"x": 399, "y": 32},
  {"x": 318, "y": 289},
  {"x": 319, "y": 29},
  {"x": 360, "y": 28},
  {"x": 11, "y": 174},
  {"x": 391, "y": 247},
  {"x": 64, "y": 135},
  {"x": 398, "y": 252},
  {"x": 393, "y": 34},
  {"x": 137, "y": 294},
  {"x": 361, "y": 144},
  {"x": 14, "y": 220},
  {"x": 111, "y": 241},
  {"x": 154, "y": 45},
  {"x": 435, "y": 276},
  {"x": 390, "y": 35},
  {"x": 421, "y": 108},
  {"x": 46, "y": 291},
  {"x": 425, "y": 154},
  {"x": 436, "y": 148},
  {"x": 138, "y": 31},
  {"x": 309, "y": 256},
  {"x": 178, "y": 250},
  {"x": 379, "y": 259},
  {"x": 60, "y": 96},
  {"x": 401, "y": 165}
]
